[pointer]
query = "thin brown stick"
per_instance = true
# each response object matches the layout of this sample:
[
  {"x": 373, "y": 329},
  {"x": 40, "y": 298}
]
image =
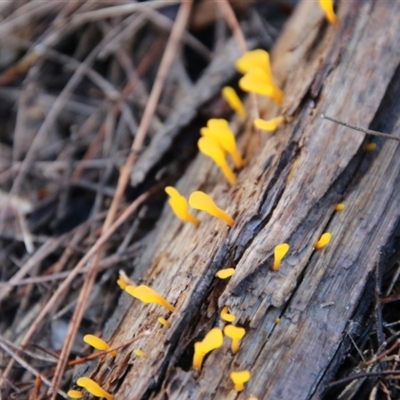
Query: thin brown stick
[
  {"x": 119, "y": 10},
  {"x": 27, "y": 366},
  {"x": 233, "y": 23},
  {"x": 359, "y": 129},
  {"x": 168, "y": 57},
  {"x": 98, "y": 354},
  {"x": 73, "y": 274},
  {"x": 364, "y": 375}
]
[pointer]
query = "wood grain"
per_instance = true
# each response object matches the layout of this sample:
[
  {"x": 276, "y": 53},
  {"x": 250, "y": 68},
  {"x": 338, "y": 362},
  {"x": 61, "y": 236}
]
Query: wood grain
[{"x": 287, "y": 193}]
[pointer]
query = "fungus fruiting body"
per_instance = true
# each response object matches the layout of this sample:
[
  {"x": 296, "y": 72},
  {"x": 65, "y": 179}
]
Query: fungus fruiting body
[
  {"x": 340, "y": 207},
  {"x": 327, "y": 6},
  {"x": 122, "y": 283},
  {"x": 257, "y": 58},
  {"x": 226, "y": 316},
  {"x": 213, "y": 340},
  {"x": 225, "y": 273},
  {"x": 140, "y": 353},
  {"x": 277, "y": 320},
  {"x": 93, "y": 388},
  {"x": 236, "y": 334},
  {"x": 98, "y": 343},
  {"x": 201, "y": 201},
  {"x": 258, "y": 76},
  {"x": 370, "y": 146},
  {"x": 279, "y": 252},
  {"x": 148, "y": 295},
  {"x": 219, "y": 130},
  {"x": 210, "y": 148},
  {"x": 74, "y": 394},
  {"x": 164, "y": 322},
  {"x": 257, "y": 81},
  {"x": 239, "y": 378},
  {"x": 269, "y": 125},
  {"x": 180, "y": 207},
  {"x": 232, "y": 98},
  {"x": 323, "y": 241}
]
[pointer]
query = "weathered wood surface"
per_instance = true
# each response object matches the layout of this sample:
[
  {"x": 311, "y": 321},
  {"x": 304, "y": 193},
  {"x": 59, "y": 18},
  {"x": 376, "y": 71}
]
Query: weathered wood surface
[{"x": 286, "y": 193}]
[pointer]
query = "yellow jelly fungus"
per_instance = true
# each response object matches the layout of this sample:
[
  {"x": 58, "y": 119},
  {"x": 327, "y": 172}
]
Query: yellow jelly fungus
[
  {"x": 239, "y": 378},
  {"x": 236, "y": 334},
  {"x": 271, "y": 125},
  {"x": 257, "y": 81},
  {"x": 226, "y": 316},
  {"x": 93, "y": 388},
  {"x": 219, "y": 130},
  {"x": 370, "y": 146},
  {"x": 257, "y": 58},
  {"x": 258, "y": 77},
  {"x": 164, "y": 322},
  {"x": 279, "y": 252},
  {"x": 140, "y": 353},
  {"x": 122, "y": 283},
  {"x": 98, "y": 343},
  {"x": 210, "y": 148},
  {"x": 232, "y": 98},
  {"x": 323, "y": 241},
  {"x": 225, "y": 273},
  {"x": 327, "y": 6},
  {"x": 200, "y": 201},
  {"x": 148, "y": 295},
  {"x": 180, "y": 207},
  {"x": 340, "y": 207},
  {"x": 211, "y": 341},
  {"x": 74, "y": 394},
  {"x": 277, "y": 320}
]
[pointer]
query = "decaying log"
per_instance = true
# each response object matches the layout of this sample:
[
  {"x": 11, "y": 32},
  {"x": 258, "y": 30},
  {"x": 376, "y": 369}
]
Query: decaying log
[{"x": 286, "y": 193}]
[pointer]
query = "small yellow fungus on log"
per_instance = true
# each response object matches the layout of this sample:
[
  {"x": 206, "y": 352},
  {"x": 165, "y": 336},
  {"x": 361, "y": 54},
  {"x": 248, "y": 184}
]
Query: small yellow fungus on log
[
  {"x": 327, "y": 6},
  {"x": 74, "y": 394},
  {"x": 269, "y": 125},
  {"x": 236, "y": 334},
  {"x": 226, "y": 316},
  {"x": 323, "y": 241},
  {"x": 148, "y": 295},
  {"x": 340, "y": 207},
  {"x": 201, "y": 201},
  {"x": 180, "y": 207},
  {"x": 239, "y": 378},
  {"x": 164, "y": 322},
  {"x": 219, "y": 130},
  {"x": 370, "y": 146},
  {"x": 225, "y": 273},
  {"x": 122, "y": 283},
  {"x": 93, "y": 388},
  {"x": 257, "y": 58},
  {"x": 98, "y": 343},
  {"x": 140, "y": 353},
  {"x": 213, "y": 340},
  {"x": 210, "y": 148},
  {"x": 257, "y": 81},
  {"x": 277, "y": 320},
  {"x": 256, "y": 66},
  {"x": 232, "y": 98},
  {"x": 279, "y": 252}
]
